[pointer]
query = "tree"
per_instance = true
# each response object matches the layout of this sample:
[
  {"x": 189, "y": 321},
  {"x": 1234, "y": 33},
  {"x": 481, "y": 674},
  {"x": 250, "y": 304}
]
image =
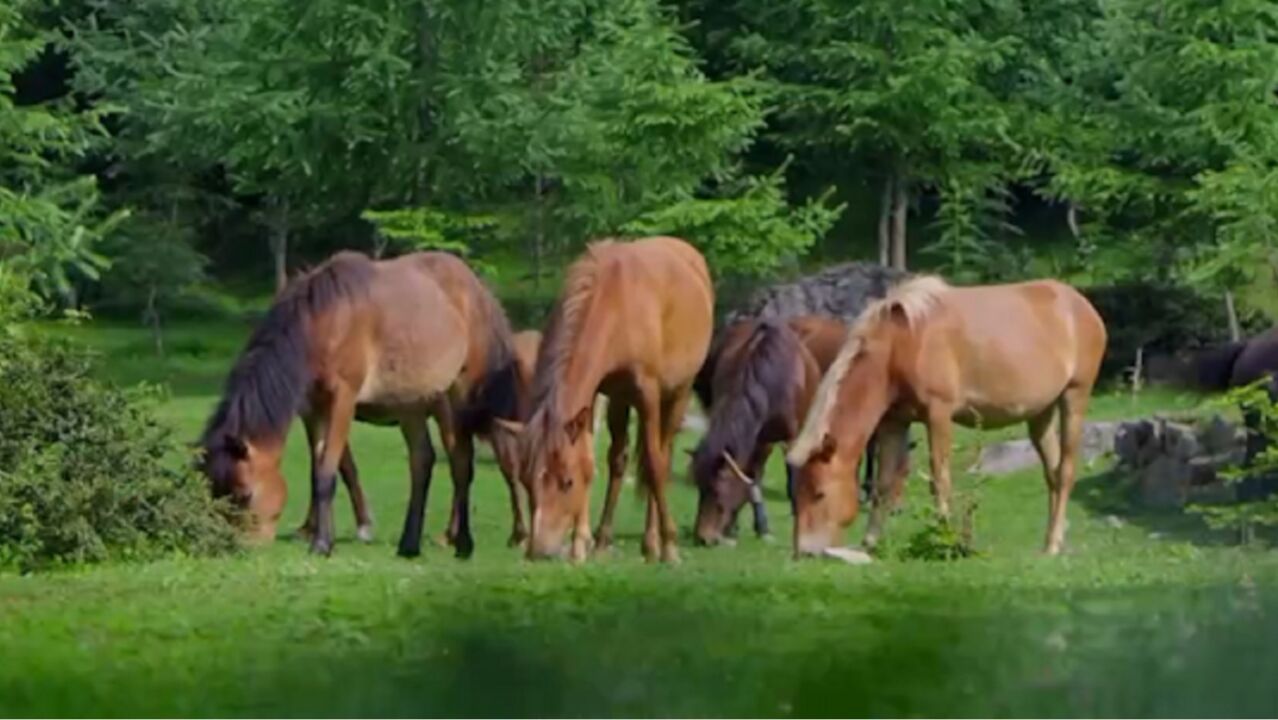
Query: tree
[
  {"x": 49, "y": 222},
  {"x": 902, "y": 90}
]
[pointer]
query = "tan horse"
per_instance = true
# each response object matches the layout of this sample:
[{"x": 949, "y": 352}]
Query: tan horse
[
  {"x": 525, "y": 345},
  {"x": 633, "y": 323},
  {"x": 984, "y": 357},
  {"x": 386, "y": 340}
]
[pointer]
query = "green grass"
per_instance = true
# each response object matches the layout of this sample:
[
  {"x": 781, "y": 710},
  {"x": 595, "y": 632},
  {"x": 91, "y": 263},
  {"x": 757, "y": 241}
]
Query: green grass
[{"x": 1145, "y": 615}]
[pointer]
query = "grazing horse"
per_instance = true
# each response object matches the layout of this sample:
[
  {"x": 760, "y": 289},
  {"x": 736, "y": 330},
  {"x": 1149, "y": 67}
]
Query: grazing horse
[
  {"x": 985, "y": 357},
  {"x": 382, "y": 340},
  {"x": 525, "y": 345},
  {"x": 633, "y": 323},
  {"x": 756, "y": 385}
]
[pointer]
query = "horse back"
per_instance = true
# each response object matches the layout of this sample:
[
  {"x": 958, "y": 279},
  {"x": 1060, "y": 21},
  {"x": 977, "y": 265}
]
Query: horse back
[
  {"x": 411, "y": 339},
  {"x": 659, "y": 301},
  {"x": 1007, "y": 351}
]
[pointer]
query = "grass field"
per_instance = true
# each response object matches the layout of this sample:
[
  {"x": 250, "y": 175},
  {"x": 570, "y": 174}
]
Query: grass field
[{"x": 1145, "y": 614}]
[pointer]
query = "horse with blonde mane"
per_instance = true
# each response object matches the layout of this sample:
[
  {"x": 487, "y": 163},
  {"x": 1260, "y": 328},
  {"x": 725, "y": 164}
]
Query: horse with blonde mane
[
  {"x": 633, "y": 323},
  {"x": 982, "y": 356},
  {"x": 387, "y": 342}
]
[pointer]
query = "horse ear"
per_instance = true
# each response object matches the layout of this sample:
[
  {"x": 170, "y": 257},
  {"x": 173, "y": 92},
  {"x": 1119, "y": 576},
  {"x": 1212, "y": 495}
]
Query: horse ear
[
  {"x": 510, "y": 427},
  {"x": 235, "y": 447},
  {"x": 578, "y": 424}
]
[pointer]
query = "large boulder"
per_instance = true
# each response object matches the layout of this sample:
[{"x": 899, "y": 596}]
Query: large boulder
[{"x": 1176, "y": 463}]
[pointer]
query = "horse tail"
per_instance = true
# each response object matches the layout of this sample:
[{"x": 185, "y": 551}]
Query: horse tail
[{"x": 764, "y": 384}]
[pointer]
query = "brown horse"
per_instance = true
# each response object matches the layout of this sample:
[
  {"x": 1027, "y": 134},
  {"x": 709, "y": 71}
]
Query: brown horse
[
  {"x": 633, "y": 323},
  {"x": 525, "y": 345},
  {"x": 383, "y": 340},
  {"x": 984, "y": 357},
  {"x": 756, "y": 386}
]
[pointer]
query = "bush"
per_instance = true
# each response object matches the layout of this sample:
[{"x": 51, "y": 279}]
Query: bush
[{"x": 86, "y": 472}]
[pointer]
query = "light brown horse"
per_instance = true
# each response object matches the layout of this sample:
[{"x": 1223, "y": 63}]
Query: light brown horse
[
  {"x": 386, "y": 341},
  {"x": 633, "y": 323},
  {"x": 525, "y": 345},
  {"x": 984, "y": 357}
]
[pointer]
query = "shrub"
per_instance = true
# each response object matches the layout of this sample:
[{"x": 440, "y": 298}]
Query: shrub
[{"x": 86, "y": 472}]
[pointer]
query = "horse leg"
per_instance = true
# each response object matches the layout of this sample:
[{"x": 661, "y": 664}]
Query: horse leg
[
  {"x": 618, "y": 458},
  {"x": 461, "y": 463},
  {"x": 421, "y": 462},
  {"x": 672, "y": 410},
  {"x": 314, "y": 433},
  {"x": 754, "y": 470},
  {"x": 940, "y": 430},
  {"x": 327, "y": 455},
  {"x": 891, "y": 441},
  {"x": 1073, "y": 410},
  {"x": 508, "y": 463},
  {"x": 1045, "y": 434},
  {"x": 350, "y": 478}
]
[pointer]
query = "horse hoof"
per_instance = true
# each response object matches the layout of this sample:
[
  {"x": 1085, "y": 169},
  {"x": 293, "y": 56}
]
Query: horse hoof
[
  {"x": 365, "y": 533},
  {"x": 670, "y": 555},
  {"x": 406, "y": 551},
  {"x": 464, "y": 549},
  {"x": 323, "y": 548},
  {"x": 516, "y": 539},
  {"x": 768, "y": 538}
]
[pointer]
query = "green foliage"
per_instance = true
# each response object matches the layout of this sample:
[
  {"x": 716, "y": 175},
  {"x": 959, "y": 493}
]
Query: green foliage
[
  {"x": 154, "y": 264},
  {"x": 747, "y": 234},
  {"x": 86, "y": 472},
  {"x": 415, "y": 229},
  {"x": 1244, "y": 517},
  {"x": 49, "y": 222}
]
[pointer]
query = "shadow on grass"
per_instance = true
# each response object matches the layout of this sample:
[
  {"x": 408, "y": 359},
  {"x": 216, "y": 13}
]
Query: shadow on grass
[{"x": 589, "y": 652}]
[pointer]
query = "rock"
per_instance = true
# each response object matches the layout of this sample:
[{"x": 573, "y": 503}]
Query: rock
[
  {"x": 1136, "y": 443},
  {"x": 1098, "y": 439},
  {"x": 1218, "y": 436},
  {"x": 1006, "y": 457},
  {"x": 1012, "y": 455},
  {"x": 1179, "y": 440},
  {"x": 1164, "y": 483}
]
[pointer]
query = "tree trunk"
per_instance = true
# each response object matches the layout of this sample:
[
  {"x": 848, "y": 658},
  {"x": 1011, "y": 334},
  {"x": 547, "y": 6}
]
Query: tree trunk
[
  {"x": 279, "y": 243},
  {"x": 1235, "y": 330},
  {"x": 885, "y": 222},
  {"x": 1071, "y": 218},
  {"x": 152, "y": 317},
  {"x": 900, "y": 207},
  {"x": 539, "y": 232}
]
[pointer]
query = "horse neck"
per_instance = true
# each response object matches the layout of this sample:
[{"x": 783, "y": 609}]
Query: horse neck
[
  {"x": 865, "y": 395},
  {"x": 592, "y": 356}
]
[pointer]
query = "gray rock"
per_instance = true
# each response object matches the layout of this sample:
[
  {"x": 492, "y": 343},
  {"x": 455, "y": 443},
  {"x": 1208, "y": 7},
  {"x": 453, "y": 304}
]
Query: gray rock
[
  {"x": 1164, "y": 483},
  {"x": 1006, "y": 457},
  {"x": 1219, "y": 436},
  {"x": 1179, "y": 440}
]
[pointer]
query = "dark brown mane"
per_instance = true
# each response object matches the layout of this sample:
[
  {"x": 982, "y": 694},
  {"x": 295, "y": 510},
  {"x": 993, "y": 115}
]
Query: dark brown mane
[
  {"x": 762, "y": 386},
  {"x": 497, "y": 395},
  {"x": 268, "y": 384}
]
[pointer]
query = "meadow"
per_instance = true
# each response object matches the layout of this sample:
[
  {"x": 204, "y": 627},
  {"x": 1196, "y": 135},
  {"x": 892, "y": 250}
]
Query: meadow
[{"x": 1145, "y": 614}]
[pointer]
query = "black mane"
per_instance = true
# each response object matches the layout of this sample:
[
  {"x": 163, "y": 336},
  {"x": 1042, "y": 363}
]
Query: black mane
[
  {"x": 497, "y": 395},
  {"x": 762, "y": 387},
  {"x": 268, "y": 384}
]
